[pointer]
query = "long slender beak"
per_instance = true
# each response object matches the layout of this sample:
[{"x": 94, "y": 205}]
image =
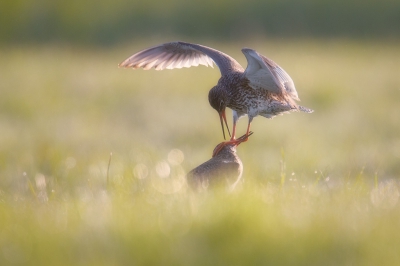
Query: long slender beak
[{"x": 222, "y": 116}]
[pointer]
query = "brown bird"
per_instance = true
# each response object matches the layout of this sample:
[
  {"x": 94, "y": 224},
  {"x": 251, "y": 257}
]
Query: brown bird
[
  {"x": 224, "y": 169},
  {"x": 264, "y": 88}
]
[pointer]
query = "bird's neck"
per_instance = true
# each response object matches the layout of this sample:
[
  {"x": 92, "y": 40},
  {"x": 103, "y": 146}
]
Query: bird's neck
[
  {"x": 217, "y": 94},
  {"x": 227, "y": 153}
]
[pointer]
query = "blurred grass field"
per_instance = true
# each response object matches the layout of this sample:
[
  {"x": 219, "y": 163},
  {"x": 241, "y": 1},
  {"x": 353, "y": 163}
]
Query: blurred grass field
[{"x": 319, "y": 189}]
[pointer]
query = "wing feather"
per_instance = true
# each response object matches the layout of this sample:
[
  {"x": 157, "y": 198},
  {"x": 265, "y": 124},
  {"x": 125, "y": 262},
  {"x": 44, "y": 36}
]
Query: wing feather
[
  {"x": 170, "y": 63},
  {"x": 283, "y": 77},
  {"x": 167, "y": 56},
  {"x": 180, "y": 54},
  {"x": 263, "y": 73},
  {"x": 162, "y": 61},
  {"x": 186, "y": 61},
  {"x": 195, "y": 61},
  {"x": 150, "y": 65}
]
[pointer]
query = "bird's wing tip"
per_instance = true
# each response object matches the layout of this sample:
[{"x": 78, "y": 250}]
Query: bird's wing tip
[{"x": 122, "y": 64}]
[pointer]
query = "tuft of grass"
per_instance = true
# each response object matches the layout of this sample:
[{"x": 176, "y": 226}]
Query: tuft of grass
[{"x": 332, "y": 222}]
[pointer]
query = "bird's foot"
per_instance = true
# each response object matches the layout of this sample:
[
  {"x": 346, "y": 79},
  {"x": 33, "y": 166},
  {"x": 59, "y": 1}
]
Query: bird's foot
[
  {"x": 243, "y": 138},
  {"x": 233, "y": 141}
]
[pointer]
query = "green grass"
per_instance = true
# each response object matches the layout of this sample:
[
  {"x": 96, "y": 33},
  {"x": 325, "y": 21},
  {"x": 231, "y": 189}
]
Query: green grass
[{"x": 319, "y": 189}]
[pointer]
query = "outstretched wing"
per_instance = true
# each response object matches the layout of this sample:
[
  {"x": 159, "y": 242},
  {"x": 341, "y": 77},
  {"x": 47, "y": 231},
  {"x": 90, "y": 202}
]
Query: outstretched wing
[
  {"x": 180, "y": 54},
  {"x": 263, "y": 73}
]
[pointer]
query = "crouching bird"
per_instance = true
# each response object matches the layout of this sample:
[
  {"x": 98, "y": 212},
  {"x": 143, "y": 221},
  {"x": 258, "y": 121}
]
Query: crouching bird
[{"x": 223, "y": 170}]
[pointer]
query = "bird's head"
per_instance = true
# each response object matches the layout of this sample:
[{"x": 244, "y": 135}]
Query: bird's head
[{"x": 218, "y": 101}]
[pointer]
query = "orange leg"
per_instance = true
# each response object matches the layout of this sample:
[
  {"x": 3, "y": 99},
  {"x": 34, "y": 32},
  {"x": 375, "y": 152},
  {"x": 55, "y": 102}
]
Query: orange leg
[
  {"x": 247, "y": 132},
  {"x": 233, "y": 140},
  {"x": 233, "y": 130}
]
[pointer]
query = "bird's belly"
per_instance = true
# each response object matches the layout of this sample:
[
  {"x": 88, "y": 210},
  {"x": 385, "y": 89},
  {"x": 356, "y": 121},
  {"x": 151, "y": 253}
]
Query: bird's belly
[{"x": 254, "y": 102}]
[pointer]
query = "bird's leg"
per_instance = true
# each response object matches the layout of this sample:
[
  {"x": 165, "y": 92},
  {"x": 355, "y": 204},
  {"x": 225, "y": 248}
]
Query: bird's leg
[
  {"x": 233, "y": 140},
  {"x": 236, "y": 117},
  {"x": 236, "y": 142},
  {"x": 245, "y": 137},
  {"x": 234, "y": 129},
  {"x": 248, "y": 130}
]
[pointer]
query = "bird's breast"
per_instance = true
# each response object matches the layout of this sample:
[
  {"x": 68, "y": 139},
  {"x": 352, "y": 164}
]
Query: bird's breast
[{"x": 245, "y": 99}]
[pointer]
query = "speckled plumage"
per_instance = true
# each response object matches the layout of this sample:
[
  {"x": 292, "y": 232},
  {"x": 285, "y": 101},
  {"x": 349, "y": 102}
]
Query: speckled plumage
[
  {"x": 243, "y": 99},
  {"x": 263, "y": 88}
]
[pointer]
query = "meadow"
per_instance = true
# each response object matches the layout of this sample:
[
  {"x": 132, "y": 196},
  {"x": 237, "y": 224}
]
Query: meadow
[{"x": 93, "y": 160}]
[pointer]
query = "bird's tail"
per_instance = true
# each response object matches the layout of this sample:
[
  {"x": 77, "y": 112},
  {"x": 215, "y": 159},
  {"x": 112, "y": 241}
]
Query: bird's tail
[
  {"x": 305, "y": 109},
  {"x": 291, "y": 102}
]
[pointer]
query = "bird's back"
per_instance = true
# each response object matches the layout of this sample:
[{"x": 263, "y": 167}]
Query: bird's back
[{"x": 223, "y": 170}]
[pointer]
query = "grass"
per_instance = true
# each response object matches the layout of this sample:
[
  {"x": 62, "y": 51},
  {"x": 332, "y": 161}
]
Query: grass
[{"x": 319, "y": 189}]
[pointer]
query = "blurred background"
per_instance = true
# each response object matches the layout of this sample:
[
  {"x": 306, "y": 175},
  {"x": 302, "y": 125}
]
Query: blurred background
[
  {"x": 319, "y": 189},
  {"x": 60, "y": 58},
  {"x": 112, "y": 22}
]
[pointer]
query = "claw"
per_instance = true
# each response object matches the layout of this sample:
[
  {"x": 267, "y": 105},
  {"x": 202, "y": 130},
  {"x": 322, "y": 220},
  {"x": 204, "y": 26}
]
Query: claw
[{"x": 235, "y": 142}]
